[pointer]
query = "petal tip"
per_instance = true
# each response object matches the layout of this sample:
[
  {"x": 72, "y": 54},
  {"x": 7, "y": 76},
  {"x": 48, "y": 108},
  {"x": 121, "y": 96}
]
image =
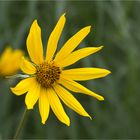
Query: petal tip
[
  {"x": 89, "y": 116},
  {"x": 64, "y": 17},
  {"x": 88, "y": 27},
  {"x": 101, "y": 47},
  {"x": 12, "y": 88},
  {"x": 108, "y": 72},
  {"x": 29, "y": 107},
  {"x": 43, "y": 122},
  {"x": 64, "y": 14},
  {"x": 68, "y": 124},
  {"x": 35, "y": 21},
  {"x": 14, "y": 91},
  {"x": 101, "y": 98}
]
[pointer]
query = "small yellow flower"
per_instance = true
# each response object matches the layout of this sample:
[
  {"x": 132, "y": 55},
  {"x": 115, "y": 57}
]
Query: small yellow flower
[
  {"x": 9, "y": 61},
  {"x": 48, "y": 80}
]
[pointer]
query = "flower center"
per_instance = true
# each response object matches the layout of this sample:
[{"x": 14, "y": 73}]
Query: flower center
[{"x": 47, "y": 74}]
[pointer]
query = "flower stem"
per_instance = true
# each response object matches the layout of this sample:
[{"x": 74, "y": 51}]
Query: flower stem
[{"x": 21, "y": 124}]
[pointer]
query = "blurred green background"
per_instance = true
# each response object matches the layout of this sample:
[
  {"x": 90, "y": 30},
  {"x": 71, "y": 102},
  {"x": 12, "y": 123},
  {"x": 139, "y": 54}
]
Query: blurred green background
[{"x": 116, "y": 25}]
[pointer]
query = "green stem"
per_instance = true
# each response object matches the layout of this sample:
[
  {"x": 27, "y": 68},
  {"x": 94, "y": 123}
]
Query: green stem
[{"x": 21, "y": 124}]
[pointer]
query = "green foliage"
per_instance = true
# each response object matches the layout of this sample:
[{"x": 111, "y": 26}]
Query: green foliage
[{"x": 115, "y": 24}]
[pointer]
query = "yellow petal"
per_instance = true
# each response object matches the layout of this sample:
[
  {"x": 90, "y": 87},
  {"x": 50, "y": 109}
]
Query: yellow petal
[
  {"x": 80, "y": 74},
  {"x": 57, "y": 107},
  {"x": 27, "y": 67},
  {"x": 4, "y": 62},
  {"x": 76, "y": 87},
  {"x": 72, "y": 43},
  {"x": 32, "y": 95},
  {"x": 70, "y": 100},
  {"x": 14, "y": 61},
  {"x": 5, "y": 55},
  {"x": 23, "y": 86},
  {"x": 9, "y": 61},
  {"x": 77, "y": 55},
  {"x": 44, "y": 106},
  {"x": 16, "y": 54},
  {"x": 34, "y": 43},
  {"x": 54, "y": 38}
]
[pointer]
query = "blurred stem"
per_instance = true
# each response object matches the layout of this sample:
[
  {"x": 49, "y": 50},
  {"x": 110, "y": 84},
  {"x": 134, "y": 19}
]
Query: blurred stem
[{"x": 21, "y": 124}]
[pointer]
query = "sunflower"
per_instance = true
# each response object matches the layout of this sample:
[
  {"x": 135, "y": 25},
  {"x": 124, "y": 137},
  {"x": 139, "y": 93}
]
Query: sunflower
[
  {"x": 48, "y": 80},
  {"x": 9, "y": 61}
]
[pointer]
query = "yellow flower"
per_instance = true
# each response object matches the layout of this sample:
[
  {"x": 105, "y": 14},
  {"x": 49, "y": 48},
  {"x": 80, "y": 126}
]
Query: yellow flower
[
  {"x": 49, "y": 81},
  {"x": 9, "y": 61}
]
